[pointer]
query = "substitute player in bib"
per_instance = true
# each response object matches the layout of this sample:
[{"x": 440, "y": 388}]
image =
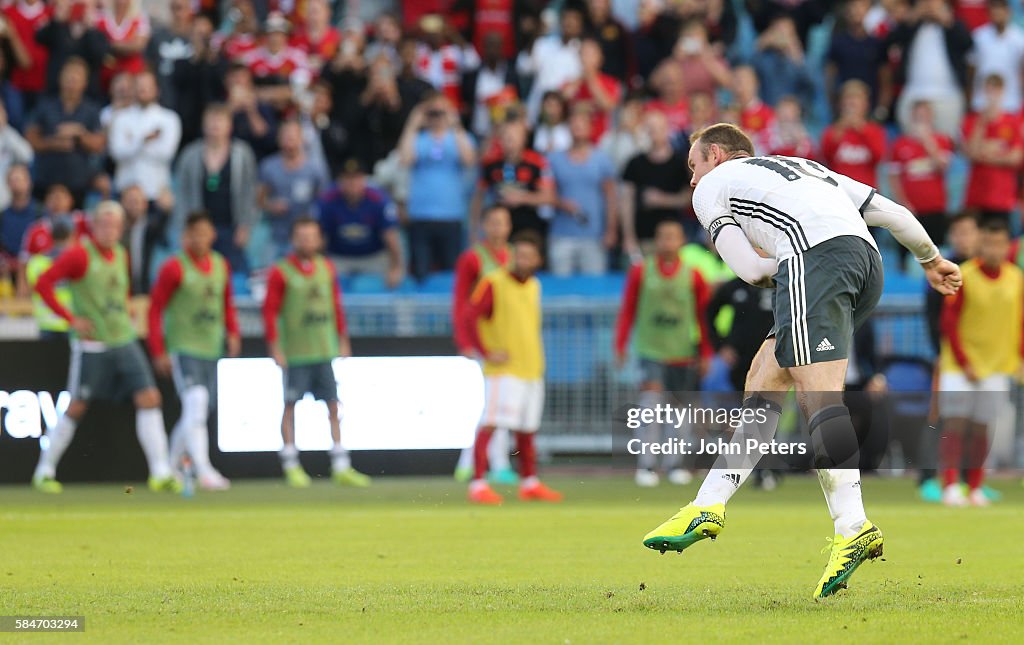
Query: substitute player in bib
[
  {"x": 503, "y": 323},
  {"x": 664, "y": 301},
  {"x": 474, "y": 263},
  {"x": 305, "y": 328},
  {"x": 191, "y": 316},
  {"x": 106, "y": 360},
  {"x": 811, "y": 226},
  {"x": 979, "y": 354}
]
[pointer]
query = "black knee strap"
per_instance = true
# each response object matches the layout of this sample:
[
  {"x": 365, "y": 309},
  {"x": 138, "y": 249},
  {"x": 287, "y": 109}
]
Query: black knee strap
[
  {"x": 834, "y": 440},
  {"x": 756, "y": 401}
]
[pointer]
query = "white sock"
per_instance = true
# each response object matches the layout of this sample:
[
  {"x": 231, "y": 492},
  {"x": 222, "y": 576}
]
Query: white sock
[
  {"x": 59, "y": 440},
  {"x": 289, "y": 456},
  {"x": 176, "y": 446},
  {"x": 149, "y": 427},
  {"x": 649, "y": 434},
  {"x": 498, "y": 450},
  {"x": 730, "y": 471},
  {"x": 529, "y": 482},
  {"x": 465, "y": 459},
  {"x": 340, "y": 461},
  {"x": 843, "y": 496},
  {"x": 195, "y": 406}
]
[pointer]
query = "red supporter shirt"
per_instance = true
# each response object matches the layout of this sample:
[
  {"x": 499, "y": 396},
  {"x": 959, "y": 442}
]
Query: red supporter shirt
[
  {"x": 467, "y": 274},
  {"x": 167, "y": 283},
  {"x": 678, "y": 114},
  {"x": 602, "y": 118},
  {"x": 923, "y": 181},
  {"x": 756, "y": 119},
  {"x": 973, "y": 13},
  {"x": 854, "y": 153},
  {"x": 26, "y": 20},
  {"x": 266, "y": 65},
  {"x": 631, "y": 298},
  {"x": 275, "y": 297},
  {"x": 325, "y": 48},
  {"x": 69, "y": 265},
  {"x": 235, "y": 46},
  {"x": 117, "y": 33},
  {"x": 994, "y": 187}
]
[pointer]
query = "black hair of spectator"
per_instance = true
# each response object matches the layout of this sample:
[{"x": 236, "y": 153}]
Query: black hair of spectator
[
  {"x": 673, "y": 223},
  {"x": 304, "y": 220},
  {"x": 998, "y": 3},
  {"x": 78, "y": 61},
  {"x": 996, "y": 225},
  {"x": 18, "y": 165},
  {"x": 962, "y": 216},
  {"x": 198, "y": 217},
  {"x": 217, "y": 108},
  {"x": 56, "y": 188},
  {"x": 493, "y": 208},
  {"x": 532, "y": 238},
  {"x": 995, "y": 80},
  {"x": 575, "y": 5}
]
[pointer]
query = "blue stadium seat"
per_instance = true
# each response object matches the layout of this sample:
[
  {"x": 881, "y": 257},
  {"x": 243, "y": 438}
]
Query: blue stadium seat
[
  {"x": 437, "y": 283},
  {"x": 240, "y": 284},
  {"x": 366, "y": 283}
]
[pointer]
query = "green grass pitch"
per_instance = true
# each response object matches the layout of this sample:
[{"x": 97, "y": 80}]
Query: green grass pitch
[{"x": 409, "y": 561}]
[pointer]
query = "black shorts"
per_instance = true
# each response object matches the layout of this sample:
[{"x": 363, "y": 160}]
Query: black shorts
[
  {"x": 113, "y": 374},
  {"x": 316, "y": 379},
  {"x": 821, "y": 297}
]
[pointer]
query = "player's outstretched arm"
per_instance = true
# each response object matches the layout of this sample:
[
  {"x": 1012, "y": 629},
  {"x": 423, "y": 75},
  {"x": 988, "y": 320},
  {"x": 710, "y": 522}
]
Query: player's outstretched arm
[{"x": 943, "y": 275}]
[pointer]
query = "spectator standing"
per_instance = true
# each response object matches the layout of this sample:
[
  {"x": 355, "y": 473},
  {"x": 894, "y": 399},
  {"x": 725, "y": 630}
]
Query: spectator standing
[
  {"x": 18, "y": 215},
  {"x": 18, "y": 26},
  {"x": 655, "y": 188},
  {"x": 387, "y": 35},
  {"x": 317, "y": 38},
  {"x": 787, "y": 135},
  {"x": 168, "y": 45},
  {"x": 598, "y": 92},
  {"x": 436, "y": 150},
  {"x": 918, "y": 161},
  {"x": 552, "y": 131},
  {"x": 13, "y": 103},
  {"x": 290, "y": 183},
  {"x": 553, "y": 60},
  {"x": 933, "y": 64},
  {"x": 65, "y": 133},
  {"x": 998, "y": 49},
  {"x": 58, "y": 206},
  {"x": 198, "y": 80},
  {"x": 252, "y": 120},
  {"x": 781, "y": 65},
  {"x": 145, "y": 229},
  {"x": 14, "y": 151},
  {"x": 756, "y": 116},
  {"x": 613, "y": 37},
  {"x": 993, "y": 144},
  {"x": 671, "y": 99},
  {"x": 444, "y": 57},
  {"x": 853, "y": 146},
  {"x": 122, "y": 97},
  {"x": 493, "y": 76},
  {"x": 217, "y": 174},
  {"x": 854, "y": 54},
  {"x": 703, "y": 69},
  {"x": 517, "y": 178},
  {"x": 127, "y": 30},
  {"x": 627, "y": 138},
  {"x": 360, "y": 227},
  {"x": 72, "y": 33},
  {"x": 585, "y": 225},
  {"x": 275, "y": 65},
  {"x": 144, "y": 139},
  {"x": 325, "y": 140}
]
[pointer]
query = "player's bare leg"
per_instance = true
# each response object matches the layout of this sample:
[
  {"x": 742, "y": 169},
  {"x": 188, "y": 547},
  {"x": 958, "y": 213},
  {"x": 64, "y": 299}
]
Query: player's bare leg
[
  {"x": 57, "y": 441},
  {"x": 293, "y": 472},
  {"x": 531, "y": 488},
  {"x": 342, "y": 471},
  {"x": 767, "y": 384}
]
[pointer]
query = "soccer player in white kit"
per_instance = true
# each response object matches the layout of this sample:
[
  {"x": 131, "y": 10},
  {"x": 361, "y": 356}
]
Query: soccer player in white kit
[{"x": 794, "y": 226}]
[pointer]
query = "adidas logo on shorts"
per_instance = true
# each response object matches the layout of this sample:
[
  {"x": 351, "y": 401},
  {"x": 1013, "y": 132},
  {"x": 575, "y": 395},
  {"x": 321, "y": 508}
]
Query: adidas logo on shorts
[{"x": 824, "y": 346}]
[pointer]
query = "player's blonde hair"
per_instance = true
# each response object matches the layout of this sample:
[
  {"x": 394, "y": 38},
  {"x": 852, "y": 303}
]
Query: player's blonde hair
[
  {"x": 109, "y": 207},
  {"x": 726, "y": 136}
]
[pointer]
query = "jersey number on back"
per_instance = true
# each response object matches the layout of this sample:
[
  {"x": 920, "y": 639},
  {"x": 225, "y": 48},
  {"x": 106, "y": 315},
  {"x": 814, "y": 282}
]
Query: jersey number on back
[{"x": 793, "y": 170}]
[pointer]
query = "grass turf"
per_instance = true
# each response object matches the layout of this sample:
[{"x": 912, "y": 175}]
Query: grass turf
[{"x": 409, "y": 561}]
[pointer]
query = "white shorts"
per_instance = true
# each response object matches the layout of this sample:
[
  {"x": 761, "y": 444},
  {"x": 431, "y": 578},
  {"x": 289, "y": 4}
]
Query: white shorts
[
  {"x": 513, "y": 403},
  {"x": 981, "y": 402}
]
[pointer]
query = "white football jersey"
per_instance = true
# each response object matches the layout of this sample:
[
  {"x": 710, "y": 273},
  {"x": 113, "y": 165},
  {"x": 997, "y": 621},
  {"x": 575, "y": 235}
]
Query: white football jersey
[{"x": 784, "y": 205}]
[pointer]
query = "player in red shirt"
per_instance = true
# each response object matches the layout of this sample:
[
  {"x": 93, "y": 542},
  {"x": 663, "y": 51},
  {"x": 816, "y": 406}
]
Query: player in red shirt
[
  {"x": 853, "y": 146},
  {"x": 475, "y": 262},
  {"x": 28, "y": 67},
  {"x": 317, "y": 38},
  {"x": 187, "y": 290},
  {"x": 756, "y": 117},
  {"x": 595, "y": 88},
  {"x": 917, "y": 172},
  {"x": 127, "y": 29},
  {"x": 992, "y": 142}
]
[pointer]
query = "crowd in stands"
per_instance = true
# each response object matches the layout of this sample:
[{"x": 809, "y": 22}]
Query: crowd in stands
[{"x": 398, "y": 132}]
